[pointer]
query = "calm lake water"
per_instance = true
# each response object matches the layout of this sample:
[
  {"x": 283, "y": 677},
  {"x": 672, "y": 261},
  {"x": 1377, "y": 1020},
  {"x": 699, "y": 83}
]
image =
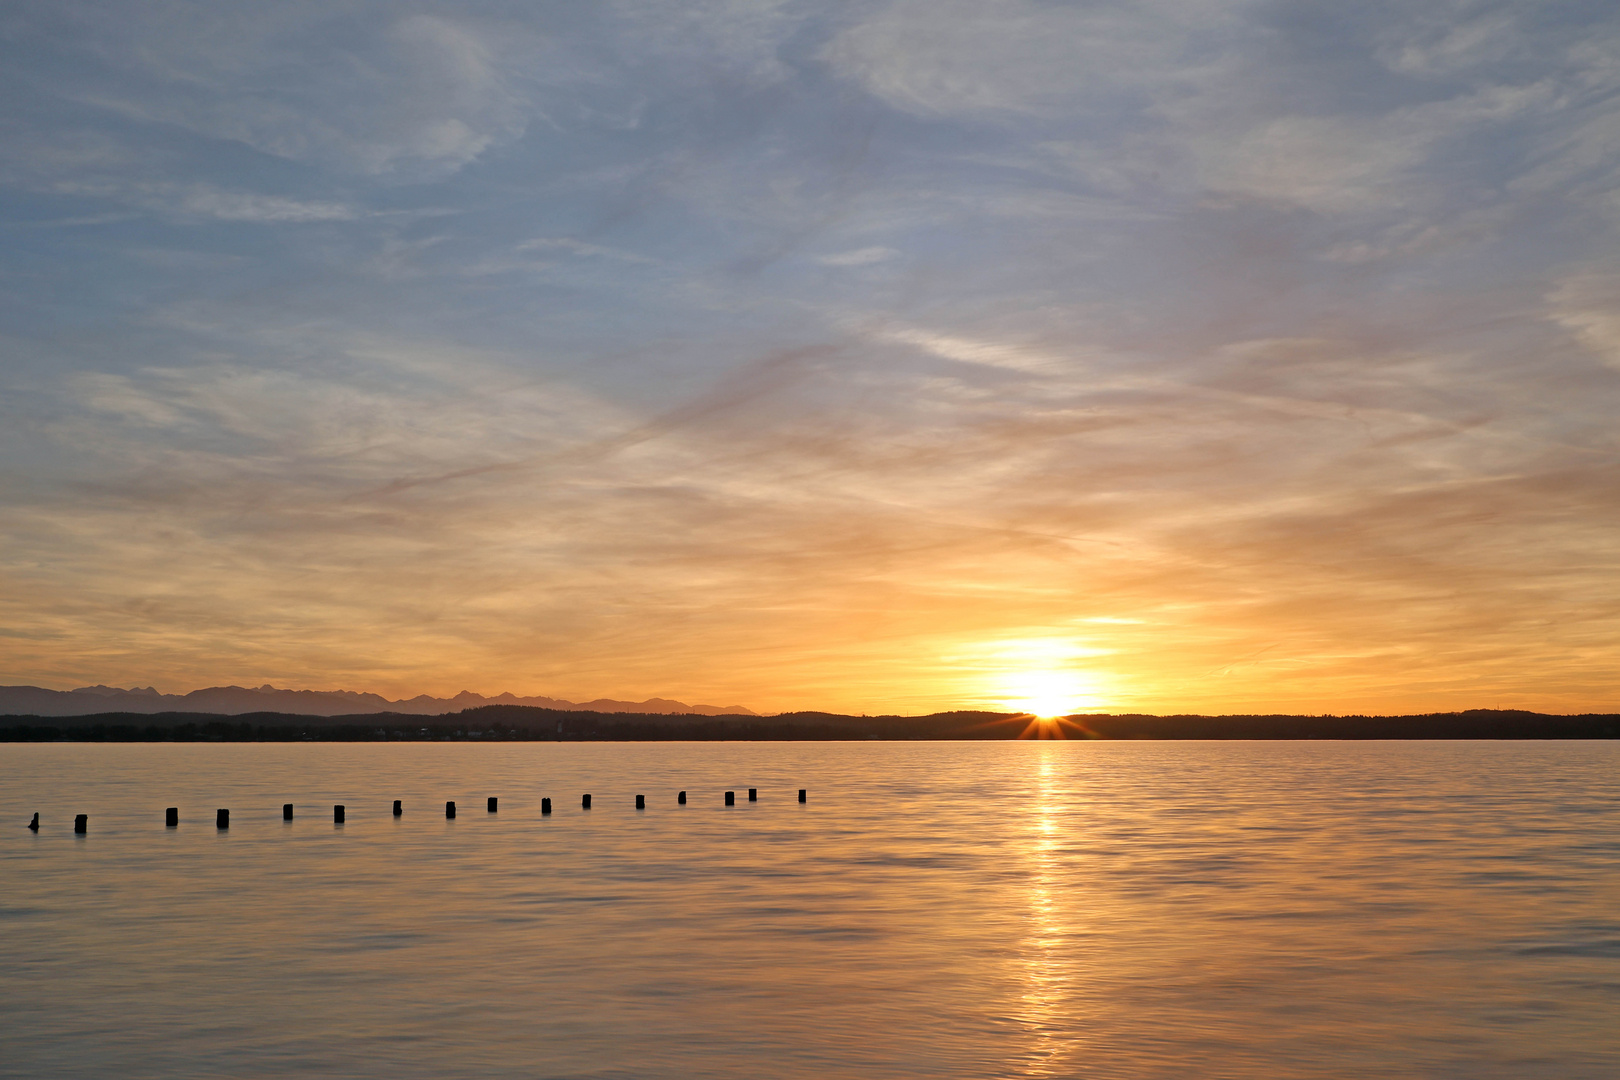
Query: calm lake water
[{"x": 1267, "y": 910}]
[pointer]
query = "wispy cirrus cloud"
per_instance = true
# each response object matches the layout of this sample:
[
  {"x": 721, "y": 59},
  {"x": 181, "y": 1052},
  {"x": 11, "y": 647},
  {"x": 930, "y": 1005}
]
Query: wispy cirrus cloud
[
  {"x": 1588, "y": 305},
  {"x": 424, "y": 94},
  {"x": 1016, "y": 57}
]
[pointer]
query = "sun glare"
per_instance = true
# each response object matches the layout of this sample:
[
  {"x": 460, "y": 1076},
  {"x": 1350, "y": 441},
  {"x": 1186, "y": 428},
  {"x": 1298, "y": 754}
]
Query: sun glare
[
  {"x": 1047, "y": 693},
  {"x": 1040, "y": 677}
]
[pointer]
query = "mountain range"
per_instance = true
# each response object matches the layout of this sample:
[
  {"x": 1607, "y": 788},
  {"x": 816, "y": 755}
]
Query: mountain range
[{"x": 235, "y": 700}]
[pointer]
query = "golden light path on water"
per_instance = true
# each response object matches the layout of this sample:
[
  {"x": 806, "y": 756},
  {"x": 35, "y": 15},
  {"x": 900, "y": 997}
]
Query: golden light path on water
[{"x": 1049, "y": 966}]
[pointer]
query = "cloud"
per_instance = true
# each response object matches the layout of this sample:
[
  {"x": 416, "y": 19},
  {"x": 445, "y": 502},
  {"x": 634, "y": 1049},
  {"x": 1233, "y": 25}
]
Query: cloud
[
  {"x": 1588, "y": 305},
  {"x": 580, "y": 247},
  {"x": 741, "y": 38},
  {"x": 34, "y": 155},
  {"x": 1420, "y": 235},
  {"x": 417, "y": 95},
  {"x": 1323, "y": 162},
  {"x": 1187, "y": 99},
  {"x": 118, "y": 168},
  {"x": 1442, "y": 40},
  {"x": 971, "y": 351},
  {"x": 205, "y": 201},
  {"x": 1356, "y": 163},
  {"x": 262, "y": 209},
  {"x": 859, "y": 257},
  {"x": 969, "y": 58},
  {"x": 1578, "y": 155}
]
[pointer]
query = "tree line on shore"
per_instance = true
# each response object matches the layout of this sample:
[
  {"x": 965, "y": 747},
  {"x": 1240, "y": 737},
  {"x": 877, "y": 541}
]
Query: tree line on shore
[{"x": 528, "y": 724}]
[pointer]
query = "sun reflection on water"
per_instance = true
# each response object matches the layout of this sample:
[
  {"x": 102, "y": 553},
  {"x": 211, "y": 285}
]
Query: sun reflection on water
[{"x": 1047, "y": 964}]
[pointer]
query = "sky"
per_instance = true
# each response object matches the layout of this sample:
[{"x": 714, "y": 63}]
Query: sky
[{"x": 1174, "y": 355}]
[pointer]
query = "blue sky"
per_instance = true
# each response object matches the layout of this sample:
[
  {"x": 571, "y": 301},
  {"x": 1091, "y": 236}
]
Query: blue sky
[{"x": 865, "y": 355}]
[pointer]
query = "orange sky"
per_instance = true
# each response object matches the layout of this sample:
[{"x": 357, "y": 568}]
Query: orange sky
[{"x": 1141, "y": 547}]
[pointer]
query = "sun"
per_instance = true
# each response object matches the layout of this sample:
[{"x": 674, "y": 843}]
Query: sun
[
  {"x": 1047, "y": 676},
  {"x": 1047, "y": 693}
]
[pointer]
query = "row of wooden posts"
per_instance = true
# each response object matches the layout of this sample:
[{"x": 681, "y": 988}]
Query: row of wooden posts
[{"x": 222, "y": 818}]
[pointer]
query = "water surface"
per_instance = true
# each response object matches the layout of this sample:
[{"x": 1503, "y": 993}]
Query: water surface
[{"x": 1082, "y": 909}]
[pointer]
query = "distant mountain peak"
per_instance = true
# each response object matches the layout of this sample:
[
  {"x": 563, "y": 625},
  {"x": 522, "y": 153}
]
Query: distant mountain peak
[
  {"x": 100, "y": 690},
  {"x": 232, "y": 700}
]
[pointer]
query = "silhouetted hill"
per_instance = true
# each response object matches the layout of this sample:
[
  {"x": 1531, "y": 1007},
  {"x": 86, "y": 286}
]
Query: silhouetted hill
[
  {"x": 529, "y": 723},
  {"x": 236, "y": 700}
]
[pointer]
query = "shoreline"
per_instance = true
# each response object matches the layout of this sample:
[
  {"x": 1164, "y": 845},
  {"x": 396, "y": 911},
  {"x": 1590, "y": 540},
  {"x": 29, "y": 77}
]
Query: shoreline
[{"x": 503, "y": 723}]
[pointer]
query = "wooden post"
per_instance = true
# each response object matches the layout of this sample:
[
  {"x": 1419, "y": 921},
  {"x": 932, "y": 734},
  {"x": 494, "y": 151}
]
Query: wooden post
[
  {"x": 731, "y": 798},
  {"x": 449, "y": 809},
  {"x": 641, "y": 802},
  {"x": 492, "y": 804},
  {"x": 801, "y": 794},
  {"x": 681, "y": 798},
  {"x": 286, "y": 811},
  {"x": 81, "y": 823},
  {"x": 222, "y": 819},
  {"x": 753, "y": 794},
  {"x": 585, "y": 803},
  {"x": 337, "y": 815},
  {"x": 399, "y": 807},
  {"x": 171, "y": 816},
  {"x": 545, "y": 806}
]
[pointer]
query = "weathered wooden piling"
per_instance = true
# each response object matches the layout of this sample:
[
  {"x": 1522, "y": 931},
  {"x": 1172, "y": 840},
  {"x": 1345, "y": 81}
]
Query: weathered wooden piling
[
  {"x": 492, "y": 804},
  {"x": 337, "y": 815},
  {"x": 801, "y": 794},
  {"x": 286, "y": 811},
  {"x": 753, "y": 794},
  {"x": 34, "y": 825},
  {"x": 585, "y": 803},
  {"x": 399, "y": 807},
  {"x": 545, "y": 806},
  {"x": 449, "y": 809},
  {"x": 681, "y": 798},
  {"x": 731, "y": 798},
  {"x": 81, "y": 823},
  {"x": 222, "y": 819},
  {"x": 641, "y": 802},
  {"x": 171, "y": 816}
]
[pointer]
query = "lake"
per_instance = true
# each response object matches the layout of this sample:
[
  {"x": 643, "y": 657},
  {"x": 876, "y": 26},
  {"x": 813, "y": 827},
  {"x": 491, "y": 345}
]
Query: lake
[{"x": 934, "y": 909}]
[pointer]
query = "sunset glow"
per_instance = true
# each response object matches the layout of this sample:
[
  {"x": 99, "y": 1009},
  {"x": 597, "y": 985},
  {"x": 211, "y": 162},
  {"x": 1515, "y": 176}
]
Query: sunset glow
[
  {"x": 1047, "y": 694},
  {"x": 810, "y": 539},
  {"x": 1045, "y": 677},
  {"x": 813, "y": 356}
]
